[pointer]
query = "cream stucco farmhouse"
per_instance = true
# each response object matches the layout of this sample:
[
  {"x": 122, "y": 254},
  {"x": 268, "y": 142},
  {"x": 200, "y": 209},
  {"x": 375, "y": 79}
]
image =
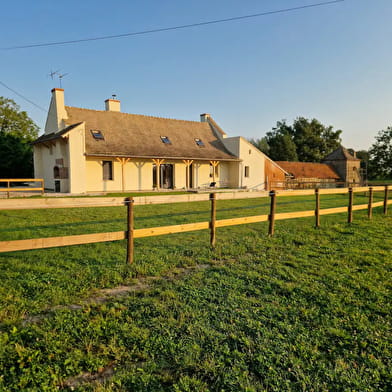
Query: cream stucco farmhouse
[{"x": 84, "y": 150}]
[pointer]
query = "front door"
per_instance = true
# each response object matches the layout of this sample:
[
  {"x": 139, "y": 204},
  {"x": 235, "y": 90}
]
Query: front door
[{"x": 165, "y": 176}]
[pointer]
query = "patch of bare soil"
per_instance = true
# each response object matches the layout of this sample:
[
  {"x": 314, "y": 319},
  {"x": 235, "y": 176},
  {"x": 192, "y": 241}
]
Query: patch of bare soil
[
  {"x": 99, "y": 377},
  {"x": 106, "y": 295}
]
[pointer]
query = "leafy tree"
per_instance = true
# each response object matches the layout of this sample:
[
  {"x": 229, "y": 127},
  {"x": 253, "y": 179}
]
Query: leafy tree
[
  {"x": 363, "y": 155},
  {"x": 305, "y": 140},
  {"x": 380, "y": 155},
  {"x": 17, "y": 131},
  {"x": 313, "y": 140},
  {"x": 281, "y": 144}
]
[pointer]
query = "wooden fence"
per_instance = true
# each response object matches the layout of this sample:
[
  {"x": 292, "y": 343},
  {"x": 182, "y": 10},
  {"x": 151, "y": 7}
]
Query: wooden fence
[
  {"x": 79, "y": 202},
  {"x": 8, "y": 188},
  {"x": 130, "y": 234}
]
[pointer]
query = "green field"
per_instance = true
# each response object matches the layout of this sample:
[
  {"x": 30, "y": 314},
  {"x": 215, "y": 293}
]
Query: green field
[{"x": 306, "y": 310}]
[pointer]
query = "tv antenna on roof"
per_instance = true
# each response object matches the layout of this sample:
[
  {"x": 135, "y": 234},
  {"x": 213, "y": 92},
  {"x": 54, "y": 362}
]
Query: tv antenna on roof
[
  {"x": 61, "y": 76},
  {"x": 53, "y": 73}
]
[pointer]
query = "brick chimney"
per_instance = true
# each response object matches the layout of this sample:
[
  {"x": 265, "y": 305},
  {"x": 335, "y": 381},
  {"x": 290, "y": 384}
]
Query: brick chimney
[
  {"x": 112, "y": 105},
  {"x": 204, "y": 117},
  {"x": 219, "y": 133}
]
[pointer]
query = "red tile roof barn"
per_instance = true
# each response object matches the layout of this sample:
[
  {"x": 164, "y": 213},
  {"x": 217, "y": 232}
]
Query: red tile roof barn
[{"x": 309, "y": 170}]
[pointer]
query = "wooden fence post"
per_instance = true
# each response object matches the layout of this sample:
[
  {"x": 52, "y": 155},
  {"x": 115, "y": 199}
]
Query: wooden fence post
[
  {"x": 350, "y": 205},
  {"x": 370, "y": 205},
  {"x": 129, "y": 202},
  {"x": 386, "y": 200},
  {"x": 213, "y": 220},
  {"x": 317, "y": 211},
  {"x": 271, "y": 216}
]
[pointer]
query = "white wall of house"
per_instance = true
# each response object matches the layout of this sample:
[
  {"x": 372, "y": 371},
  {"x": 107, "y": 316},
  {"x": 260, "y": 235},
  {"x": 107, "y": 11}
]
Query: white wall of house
[
  {"x": 202, "y": 174},
  {"x": 249, "y": 173},
  {"x": 77, "y": 160},
  {"x": 224, "y": 174},
  {"x": 38, "y": 161},
  {"x": 138, "y": 174},
  {"x": 46, "y": 157},
  {"x": 94, "y": 175}
]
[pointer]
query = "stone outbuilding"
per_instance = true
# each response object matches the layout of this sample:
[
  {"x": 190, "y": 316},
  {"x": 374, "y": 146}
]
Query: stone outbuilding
[{"x": 346, "y": 165}]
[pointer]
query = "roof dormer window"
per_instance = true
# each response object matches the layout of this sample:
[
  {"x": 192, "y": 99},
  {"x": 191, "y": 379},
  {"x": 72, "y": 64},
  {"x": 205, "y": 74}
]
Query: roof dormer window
[
  {"x": 97, "y": 134},
  {"x": 199, "y": 142},
  {"x": 165, "y": 140}
]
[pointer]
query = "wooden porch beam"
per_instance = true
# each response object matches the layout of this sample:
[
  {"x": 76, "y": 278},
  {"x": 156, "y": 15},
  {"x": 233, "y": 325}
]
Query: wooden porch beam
[
  {"x": 214, "y": 165},
  {"x": 188, "y": 163},
  {"x": 123, "y": 162}
]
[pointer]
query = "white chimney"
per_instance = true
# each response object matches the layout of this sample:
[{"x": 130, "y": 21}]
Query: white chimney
[
  {"x": 112, "y": 105},
  {"x": 57, "y": 113}
]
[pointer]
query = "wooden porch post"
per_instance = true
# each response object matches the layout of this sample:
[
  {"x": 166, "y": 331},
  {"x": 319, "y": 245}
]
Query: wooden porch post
[
  {"x": 123, "y": 161},
  {"x": 214, "y": 165},
  {"x": 158, "y": 162},
  {"x": 188, "y": 163}
]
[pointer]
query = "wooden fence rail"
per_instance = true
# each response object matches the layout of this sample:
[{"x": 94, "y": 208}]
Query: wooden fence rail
[
  {"x": 130, "y": 234},
  {"x": 10, "y": 188},
  {"x": 80, "y": 202}
]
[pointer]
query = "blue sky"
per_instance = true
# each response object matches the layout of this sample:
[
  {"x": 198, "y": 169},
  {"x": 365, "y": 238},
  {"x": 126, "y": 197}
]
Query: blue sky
[{"x": 331, "y": 62}]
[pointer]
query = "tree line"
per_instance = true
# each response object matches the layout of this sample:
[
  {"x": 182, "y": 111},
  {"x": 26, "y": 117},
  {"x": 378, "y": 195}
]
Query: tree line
[
  {"x": 17, "y": 131},
  {"x": 308, "y": 140},
  {"x": 305, "y": 140}
]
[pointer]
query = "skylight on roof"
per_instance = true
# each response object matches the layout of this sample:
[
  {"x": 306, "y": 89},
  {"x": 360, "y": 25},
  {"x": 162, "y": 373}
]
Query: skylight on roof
[
  {"x": 199, "y": 142},
  {"x": 97, "y": 134},
  {"x": 165, "y": 140}
]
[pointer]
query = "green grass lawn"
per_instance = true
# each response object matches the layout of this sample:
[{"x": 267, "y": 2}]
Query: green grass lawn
[{"x": 306, "y": 310}]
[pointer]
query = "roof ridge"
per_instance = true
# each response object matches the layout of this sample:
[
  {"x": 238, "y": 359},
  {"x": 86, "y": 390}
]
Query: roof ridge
[
  {"x": 139, "y": 115},
  {"x": 344, "y": 152},
  {"x": 214, "y": 124}
]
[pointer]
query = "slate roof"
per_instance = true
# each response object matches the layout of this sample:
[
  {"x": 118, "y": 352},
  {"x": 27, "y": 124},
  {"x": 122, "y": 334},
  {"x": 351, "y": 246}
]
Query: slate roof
[
  {"x": 132, "y": 135},
  {"x": 309, "y": 170},
  {"x": 340, "y": 154}
]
